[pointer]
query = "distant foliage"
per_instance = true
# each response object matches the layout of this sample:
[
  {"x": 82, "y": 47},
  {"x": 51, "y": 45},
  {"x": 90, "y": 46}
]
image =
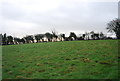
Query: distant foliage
[
  {"x": 114, "y": 26},
  {"x": 72, "y": 36}
]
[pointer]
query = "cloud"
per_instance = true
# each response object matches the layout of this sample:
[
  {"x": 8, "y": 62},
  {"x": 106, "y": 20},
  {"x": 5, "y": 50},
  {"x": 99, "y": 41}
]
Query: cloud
[{"x": 22, "y": 17}]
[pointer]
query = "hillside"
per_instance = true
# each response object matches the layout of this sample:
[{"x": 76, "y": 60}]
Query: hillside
[{"x": 90, "y": 59}]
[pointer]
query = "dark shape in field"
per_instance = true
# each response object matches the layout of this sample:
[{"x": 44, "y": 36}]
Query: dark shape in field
[
  {"x": 62, "y": 57},
  {"x": 96, "y": 61},
  {"x": 105, "y": 62},
  {"x": 13, "y": 66},
  {"x": 21, "y": 61},
  {"x": 27, "y": 65},
  {"x": 46, "y": 63},
  {"x": 82, "y": 57},
  {"x": 43, "y": 70},
  {"x": 6, "y": 70},
  {"x": 67, "y": 59},
  {"x": 119, "y": 57},
  {"x": 75, "y": 58},
  {"x": 72, "y": 64}
]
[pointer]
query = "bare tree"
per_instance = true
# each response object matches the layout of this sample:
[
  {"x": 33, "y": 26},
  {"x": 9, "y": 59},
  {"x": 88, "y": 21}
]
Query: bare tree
[
  {"x": 101, "y": 35},
  {"x": 92, "y": 35},
  {"x": 87, "y": 35},
  {"x": 114, "y": 26},
  {"x": 54, "y": 33}
]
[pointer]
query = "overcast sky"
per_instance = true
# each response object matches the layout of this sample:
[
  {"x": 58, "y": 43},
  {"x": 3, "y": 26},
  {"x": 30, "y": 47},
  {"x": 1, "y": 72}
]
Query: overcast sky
[{"x": 28, "y": 17}]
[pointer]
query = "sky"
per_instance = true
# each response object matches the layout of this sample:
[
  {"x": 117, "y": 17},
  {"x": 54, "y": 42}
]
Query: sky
[{"x": 29, "y": 17}]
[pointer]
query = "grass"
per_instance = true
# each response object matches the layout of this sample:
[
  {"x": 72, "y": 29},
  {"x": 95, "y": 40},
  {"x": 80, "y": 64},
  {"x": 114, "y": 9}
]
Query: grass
[{"x": 92, "y": 59}]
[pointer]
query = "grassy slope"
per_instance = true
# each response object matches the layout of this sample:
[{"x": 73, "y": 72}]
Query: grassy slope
[{"x": 92, "y": 59}]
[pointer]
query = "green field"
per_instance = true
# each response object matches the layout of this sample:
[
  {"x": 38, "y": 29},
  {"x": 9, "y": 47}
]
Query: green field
[{"x": 89, "y": 59}]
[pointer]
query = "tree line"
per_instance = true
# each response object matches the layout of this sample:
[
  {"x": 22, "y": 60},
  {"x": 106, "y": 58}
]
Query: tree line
[
  {"x": 50, "y": 37},
  {"x": 113, "y": 26}
]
